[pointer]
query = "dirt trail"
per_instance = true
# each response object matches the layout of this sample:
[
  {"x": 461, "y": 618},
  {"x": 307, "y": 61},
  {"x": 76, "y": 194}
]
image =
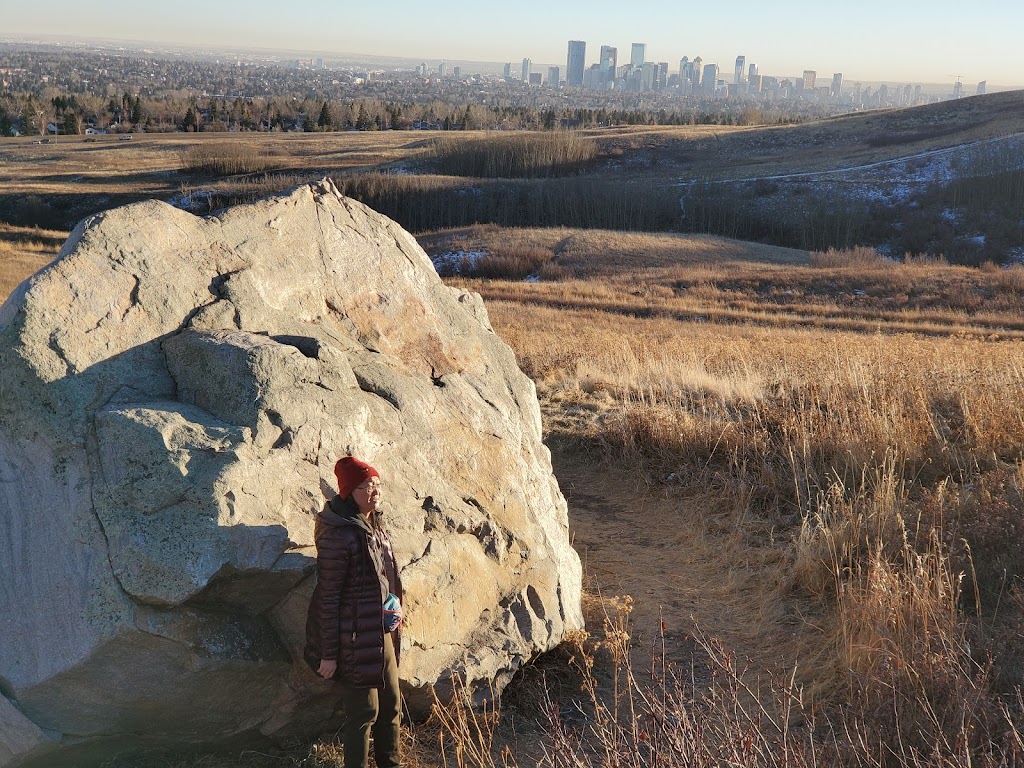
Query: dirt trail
[{"x": 681, "y": 564}]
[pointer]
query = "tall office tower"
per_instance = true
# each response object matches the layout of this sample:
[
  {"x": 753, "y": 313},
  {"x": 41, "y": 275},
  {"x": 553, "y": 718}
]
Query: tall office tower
[
  {"x": 440, "y": 69},
  {"x": 662, "y": 75},
  {"x": 836, "y": 91},
  {"x": 508, "y": 69},
  {"x": 697, "y": 73},
  {"x": 574, "y": 66},
  {"x": 526, "y": 71},
  {"x": 638, "y": 55},
  {"x": 709, "y": 79},
  {"x": 752, "y": 72},
  {"x": 553, "y": 77},
  {"x": 982, "y": 87},
  {"x": 608, "y": 63},
  {"x": 958, "y": 89},
  {"x": 739, "y": 74},
  {"x": 682, "y": 67},
  {"x": 648, "y": 76},
  {"x": 456, "y": 72},
  {"x": 809, "y": 77}
]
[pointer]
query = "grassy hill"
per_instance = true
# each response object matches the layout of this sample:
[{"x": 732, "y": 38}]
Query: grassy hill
[{"x": 58, "y": 183}]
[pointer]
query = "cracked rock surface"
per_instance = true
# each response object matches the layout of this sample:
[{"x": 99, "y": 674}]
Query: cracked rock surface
[{"x": 174, "y": 392}]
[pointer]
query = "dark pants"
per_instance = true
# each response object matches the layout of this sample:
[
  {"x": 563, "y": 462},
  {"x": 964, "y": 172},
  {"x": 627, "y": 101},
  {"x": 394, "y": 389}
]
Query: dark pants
[{"x": 379, "y": 709}]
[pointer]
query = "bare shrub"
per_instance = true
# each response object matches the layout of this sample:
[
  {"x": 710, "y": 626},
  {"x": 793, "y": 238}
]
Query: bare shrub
[
  {"x": 513, "y": 156},
  {"x": 859, "y": 256},
  {"x": 925, "y": 260},
  {"x": 226, "y": 158},
  {"x": 1009, "y": 279},
  {"x": 511, "y": 264},
  {"x": 423, "y": 203},
  {"x": 551, "y": 271}
]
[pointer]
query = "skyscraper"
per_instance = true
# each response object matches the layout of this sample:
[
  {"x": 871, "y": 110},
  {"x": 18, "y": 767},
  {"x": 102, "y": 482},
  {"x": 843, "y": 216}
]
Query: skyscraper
[
  {"x": 526, "y": 71},
  {"x": 608, "y": 63},
  {"x": 553, "y": 77},
  {"x": 739, "y": 74},
  {"x": 836, "y": 91},
  {"x": 698, "y": 73},
  {"x": 662, "y": 75},
  {"x": 508, "y": 70},
  {"x": 752, "y": 71},
  {"x": 709, "y": 79},
  {"x": 638, "y": 55},
  {"x": 648, "y": 76},
  {"x": 575, "y": 65},
  {"x": 809, "y": 77}
]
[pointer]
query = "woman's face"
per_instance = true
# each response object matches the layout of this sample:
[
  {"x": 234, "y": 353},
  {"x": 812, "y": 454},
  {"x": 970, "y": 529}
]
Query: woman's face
[{"x": 367, "y": 495}]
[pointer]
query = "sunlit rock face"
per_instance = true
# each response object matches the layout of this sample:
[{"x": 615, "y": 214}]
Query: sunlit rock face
[{"x": 174, "y": 392}]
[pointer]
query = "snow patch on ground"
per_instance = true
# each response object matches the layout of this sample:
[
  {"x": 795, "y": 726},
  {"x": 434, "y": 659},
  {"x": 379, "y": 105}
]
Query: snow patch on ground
[
  {"x": 197, "y": 201},
  {"x": 453, "y": 262},
  {"x": 891, "y": 182}
]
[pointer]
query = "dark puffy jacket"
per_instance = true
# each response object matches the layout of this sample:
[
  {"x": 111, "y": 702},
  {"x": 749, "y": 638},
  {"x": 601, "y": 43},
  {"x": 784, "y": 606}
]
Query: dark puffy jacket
[{"x": 345, "y": 620}]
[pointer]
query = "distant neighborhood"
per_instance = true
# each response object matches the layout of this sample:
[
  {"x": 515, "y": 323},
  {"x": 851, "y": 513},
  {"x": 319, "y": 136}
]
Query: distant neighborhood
[{"x": 93, "y": 93}]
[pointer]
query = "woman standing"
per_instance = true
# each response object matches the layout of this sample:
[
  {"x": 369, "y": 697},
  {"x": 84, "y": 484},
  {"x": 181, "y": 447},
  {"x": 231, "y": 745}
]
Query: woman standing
[{"x": 350, "y": 638}]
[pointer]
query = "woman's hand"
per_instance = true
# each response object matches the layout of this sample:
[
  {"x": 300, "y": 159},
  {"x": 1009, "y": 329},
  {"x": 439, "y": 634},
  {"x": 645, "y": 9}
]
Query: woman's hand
[{"x": 327, "y": 668}]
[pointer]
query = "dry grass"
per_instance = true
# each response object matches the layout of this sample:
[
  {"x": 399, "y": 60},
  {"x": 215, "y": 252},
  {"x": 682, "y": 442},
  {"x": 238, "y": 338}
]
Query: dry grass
[
  {"x": 872, "y": 462},
  {"x": 24, "y": 251},
  {"x": 831, "y": 440},
  {"x": 706, "y": 279}
]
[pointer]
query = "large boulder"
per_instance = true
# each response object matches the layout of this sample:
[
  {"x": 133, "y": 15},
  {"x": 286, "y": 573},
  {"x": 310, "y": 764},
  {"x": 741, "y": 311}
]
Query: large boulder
[{"x": 174, "y": 392}]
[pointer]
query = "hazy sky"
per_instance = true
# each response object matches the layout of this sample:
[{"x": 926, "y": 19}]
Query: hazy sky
[{"x": 894, "y": 40}]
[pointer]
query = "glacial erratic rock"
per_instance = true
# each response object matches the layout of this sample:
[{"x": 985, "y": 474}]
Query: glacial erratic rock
[{"x": 174, "y": 391}]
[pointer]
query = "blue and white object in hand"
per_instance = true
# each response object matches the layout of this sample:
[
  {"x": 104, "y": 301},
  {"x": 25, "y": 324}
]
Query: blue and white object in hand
[{"x": 392, "y": 613}]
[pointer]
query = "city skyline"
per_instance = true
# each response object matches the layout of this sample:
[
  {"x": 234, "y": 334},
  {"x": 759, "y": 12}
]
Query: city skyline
[{"x": 783, "y": 39}]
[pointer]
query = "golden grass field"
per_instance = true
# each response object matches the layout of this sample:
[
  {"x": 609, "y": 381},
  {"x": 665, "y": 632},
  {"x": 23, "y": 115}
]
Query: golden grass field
[{"x": 819, "y": 457}]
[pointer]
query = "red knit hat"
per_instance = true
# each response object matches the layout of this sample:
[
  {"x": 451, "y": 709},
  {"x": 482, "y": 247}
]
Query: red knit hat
[{"x": 351, "y": 473}]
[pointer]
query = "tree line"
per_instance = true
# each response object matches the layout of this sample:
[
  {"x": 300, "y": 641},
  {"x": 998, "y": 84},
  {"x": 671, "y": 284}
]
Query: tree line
[{"x": 28, "y": 114}]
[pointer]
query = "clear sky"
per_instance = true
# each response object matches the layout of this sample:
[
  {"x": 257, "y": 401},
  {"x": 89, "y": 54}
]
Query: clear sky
[{"x": 888, "y": 40}]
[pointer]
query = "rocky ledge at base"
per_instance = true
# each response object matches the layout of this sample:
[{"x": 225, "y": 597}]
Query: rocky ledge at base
[{"x": 174, "y": 392}]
